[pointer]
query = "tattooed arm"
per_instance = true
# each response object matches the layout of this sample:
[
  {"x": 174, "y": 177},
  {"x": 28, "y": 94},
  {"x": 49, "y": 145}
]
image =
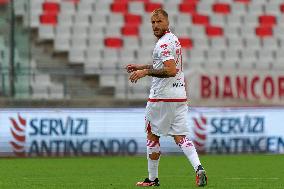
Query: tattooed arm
[
  {"x": 169, "y": 70},
  {"x": 134, "y": 67}
]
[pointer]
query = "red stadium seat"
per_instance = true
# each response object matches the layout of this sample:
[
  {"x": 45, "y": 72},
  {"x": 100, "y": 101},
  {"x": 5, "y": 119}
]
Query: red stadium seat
[
  {"x": 186, "y": 43},
  {"x": 267, "y": 20},
  {"x": 149, "y": 7},
  {"x": 264, "y": 31},
  {"x": 50, "y": 7},
  {"x": 130, "y": 31},
  {"x": 222, "y": 8},
  {"x": 112, "y": 42},
  {"x": 119, "y": 7},
  {"x": 188, "y": 7},
  {"x": 282, "y": 8},
  {"x": 48, "y": 19},
  {"x": 200, "y": 19},
  {"x": 214, "y": 31},
  {"x": 132, "y": 19}
]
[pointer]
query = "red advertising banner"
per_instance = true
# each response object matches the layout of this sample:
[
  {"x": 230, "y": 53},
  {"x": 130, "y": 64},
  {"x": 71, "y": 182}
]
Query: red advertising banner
[{"x": 235, "y": 88}]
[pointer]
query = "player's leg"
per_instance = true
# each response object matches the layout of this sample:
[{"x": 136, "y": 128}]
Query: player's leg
[
  {"x": 189, "y": 150},
  {"x": 153, "y": 157}
]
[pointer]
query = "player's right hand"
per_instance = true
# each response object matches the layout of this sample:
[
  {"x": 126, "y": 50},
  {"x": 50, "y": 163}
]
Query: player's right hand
[{"x": 131, "y": 68}]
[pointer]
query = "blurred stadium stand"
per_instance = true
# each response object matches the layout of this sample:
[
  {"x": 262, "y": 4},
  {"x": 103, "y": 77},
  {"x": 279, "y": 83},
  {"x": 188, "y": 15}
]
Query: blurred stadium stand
[{"x": 79, "y": 47}]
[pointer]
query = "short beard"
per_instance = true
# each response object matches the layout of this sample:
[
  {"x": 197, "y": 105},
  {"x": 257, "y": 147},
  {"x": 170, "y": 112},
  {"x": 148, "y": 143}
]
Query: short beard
[{"x": 162, "y": 34}]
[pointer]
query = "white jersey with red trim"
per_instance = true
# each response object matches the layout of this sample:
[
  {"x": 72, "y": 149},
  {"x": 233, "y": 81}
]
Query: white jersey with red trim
[{"x": 168, "y": 47}]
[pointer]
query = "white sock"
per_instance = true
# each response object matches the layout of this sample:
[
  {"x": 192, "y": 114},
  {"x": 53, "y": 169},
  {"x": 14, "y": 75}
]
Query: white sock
[
  {"x": 153, "y": 146},
  {"x": 153, "y": 169},
  {"x": 189, "y": 150}
]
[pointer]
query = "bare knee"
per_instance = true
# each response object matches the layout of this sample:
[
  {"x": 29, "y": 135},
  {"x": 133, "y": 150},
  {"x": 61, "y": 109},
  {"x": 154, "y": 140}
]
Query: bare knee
[
  {"x": 152, "y": 137},
  {"x": 154, "y": 156},
  {"x": 178, "y": 138}
]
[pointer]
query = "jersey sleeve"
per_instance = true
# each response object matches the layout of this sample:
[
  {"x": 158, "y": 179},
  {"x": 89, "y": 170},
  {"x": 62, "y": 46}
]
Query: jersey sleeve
[{"x": 166, "y": 52}]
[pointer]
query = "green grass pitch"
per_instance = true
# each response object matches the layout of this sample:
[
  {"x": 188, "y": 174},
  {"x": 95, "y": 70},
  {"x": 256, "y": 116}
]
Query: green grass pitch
[{"x": 224, "y": 172}]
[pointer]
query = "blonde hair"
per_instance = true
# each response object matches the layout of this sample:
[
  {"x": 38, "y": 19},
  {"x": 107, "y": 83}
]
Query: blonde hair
[{"x": 160, "y": 11}]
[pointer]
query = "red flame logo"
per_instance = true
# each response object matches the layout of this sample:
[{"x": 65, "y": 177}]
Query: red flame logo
[
  {"x": 18, "y": 129},
  {"x": 200, "y": 134}
]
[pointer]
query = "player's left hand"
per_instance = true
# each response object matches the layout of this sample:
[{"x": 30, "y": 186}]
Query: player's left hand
[{"x": 136, "y": 75}]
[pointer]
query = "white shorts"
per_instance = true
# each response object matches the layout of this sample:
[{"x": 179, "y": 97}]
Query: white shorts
[{"x": 166, "y": 118}]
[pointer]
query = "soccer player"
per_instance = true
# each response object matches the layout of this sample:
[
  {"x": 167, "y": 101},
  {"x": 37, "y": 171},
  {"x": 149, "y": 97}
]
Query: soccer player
[{"x": 166, "y": 111}]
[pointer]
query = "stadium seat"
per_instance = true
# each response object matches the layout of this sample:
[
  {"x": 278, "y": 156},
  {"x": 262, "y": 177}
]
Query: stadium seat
[
  {"x": 113, "y": 42},
  {"x": 204, "y": 7},
  {"x": 119, "y": 7},
  {"x": 50, "y": 7},
  {"x": 130, "y": 31},
  {"x": 278, "y": 64},
  {"x": 110, "y": 59},
  {"x": 67, "y": 8},
  {"x": 82, "y": 19},
  {"x": 270, "y": 43},
  {"x": 126, "y": 56},
  {"x": 213, "y": 31},
  {"x": 214, "y": 58},
  {"x": 265, "y": 59},
  {"x": 196, "y": 58},
  {"x": 113, "y": 32},
  {"x": 201, "y": 42},
  {"x": 46, "y": 32},
  {"x": 267, "y": 20},
  {"x": 188, "y": 7},
  {"x": 172, "y": 8},
  {"x": 231, "y": 32},
  {"x": 98, "y": 19},
  {"x": 116, "y": 20},
  {"x": 131, "y": 42},
  {"x": 76, "y": 55},
  {"x": 222, "y": 8},
  {"x": 144, "y": 56},
  {"x": 149, "y": 6},
  {"x": 107, "y": 80},
  {"x": 252, "y": 43},
  {"x": 238, "y": 9},
  {"x": 48, "y": 19},
  {"x": 231, "y": 58},
  {"x": 218, "y": 43},
  {"x": 200, "y": 19},
  {"x": 282, "y": 7},
  {"x": 197, "y": 31},
  {"x": 20, "y": 8},
  {"x": 136, "y": 7},
  {"x": 272, "y": 8},
  {"x": 264, "y": 31},
  {"x": 186, "y": 43},
  {"x": 65, "y": 19},
  {"x": 93, "y": 61},
  {"x": 85, "y": 7},
  {"x": 132, "y": 19},
  {"x": 181, "y": 30},
  {"x": 217, "y": 20},
  {"x": 248, "y": 59}
]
